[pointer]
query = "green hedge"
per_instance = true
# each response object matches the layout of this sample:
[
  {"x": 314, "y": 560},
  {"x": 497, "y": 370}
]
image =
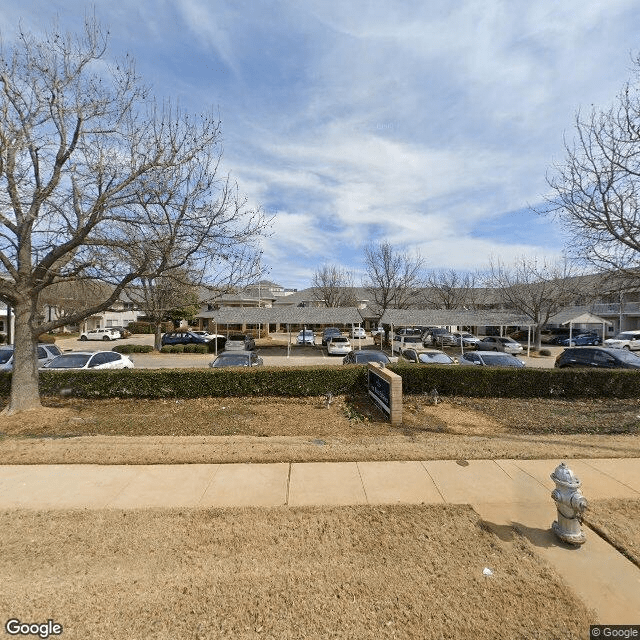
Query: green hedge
[
  {"x": 314, "y": 381},
  {"x": 133, "y": 348}
]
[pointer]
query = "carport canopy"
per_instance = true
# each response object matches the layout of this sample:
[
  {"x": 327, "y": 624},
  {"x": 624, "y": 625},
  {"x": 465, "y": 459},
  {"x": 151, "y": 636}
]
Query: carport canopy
[{"x": 284, "y": 315}]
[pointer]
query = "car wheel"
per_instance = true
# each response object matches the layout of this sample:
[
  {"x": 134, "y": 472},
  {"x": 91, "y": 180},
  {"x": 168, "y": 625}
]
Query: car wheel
[
  {"x": 106, "y": 338},
  {"x": 627, "y": 347},
  {"x": 83, "y": 338}
]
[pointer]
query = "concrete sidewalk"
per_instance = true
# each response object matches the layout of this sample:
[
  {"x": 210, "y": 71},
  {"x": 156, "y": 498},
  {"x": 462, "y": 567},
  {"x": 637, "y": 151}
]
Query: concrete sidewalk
[{"x": 507, "y": 494}]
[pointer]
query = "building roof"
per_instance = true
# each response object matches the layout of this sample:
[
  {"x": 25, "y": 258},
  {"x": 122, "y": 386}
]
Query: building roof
[
  {"x": 458, "y": 317},
  {"x": 283, "y": 315}
]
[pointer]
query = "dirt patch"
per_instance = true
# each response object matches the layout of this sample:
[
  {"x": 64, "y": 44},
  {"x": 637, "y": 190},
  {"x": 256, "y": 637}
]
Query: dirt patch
[
  {"x": 344, "y": 572},
  {"x": 618, "y": 521},
  {"x": 309, "y": 429}
]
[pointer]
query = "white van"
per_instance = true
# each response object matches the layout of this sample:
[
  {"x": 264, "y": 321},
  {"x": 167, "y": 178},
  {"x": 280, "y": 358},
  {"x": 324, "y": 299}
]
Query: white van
[{"x": 626, "y": 340}]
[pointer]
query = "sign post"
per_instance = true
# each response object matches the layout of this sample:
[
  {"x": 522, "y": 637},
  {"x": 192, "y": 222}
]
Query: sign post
[{"x": 385, "y": 389}]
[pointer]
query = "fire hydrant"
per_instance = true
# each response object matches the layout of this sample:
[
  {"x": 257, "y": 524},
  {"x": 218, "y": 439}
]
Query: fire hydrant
[{"x": 570, "y": 504}]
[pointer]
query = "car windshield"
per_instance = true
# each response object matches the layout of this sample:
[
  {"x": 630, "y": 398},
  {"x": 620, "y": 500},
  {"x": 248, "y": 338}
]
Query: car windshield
[
  {"x": 339, "y": 339},
  {"x": 413, "y": 339},
  {"x": 5, "y": 355},
  {"x": 434, "y": 358},
  {"x": 70, "y": 361},
  {"x": 627, "y": 356},
  {"x": 500, "y": 360},
  {"x": 231, "y": 361},
  {"x": 626, "y": 336}
]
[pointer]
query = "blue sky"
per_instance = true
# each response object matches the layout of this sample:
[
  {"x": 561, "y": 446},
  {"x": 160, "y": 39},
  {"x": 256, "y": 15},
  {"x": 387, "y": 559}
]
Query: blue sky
[{"x": 430, "y": 124}]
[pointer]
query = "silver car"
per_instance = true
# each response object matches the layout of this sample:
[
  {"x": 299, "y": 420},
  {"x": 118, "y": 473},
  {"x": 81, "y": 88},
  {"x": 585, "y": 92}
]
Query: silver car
[
  {"x": 497, "y": 343},
  {"x": 490, "y": 359},
  {"x": 45, "y": 353},
  {"x": 236, "y": 359}
]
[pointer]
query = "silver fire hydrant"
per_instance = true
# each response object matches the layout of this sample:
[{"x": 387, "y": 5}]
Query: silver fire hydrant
[{"x": 570, "y": 504}]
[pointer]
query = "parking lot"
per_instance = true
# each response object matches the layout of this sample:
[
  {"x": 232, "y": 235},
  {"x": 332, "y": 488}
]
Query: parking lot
[{"x": 275, "y": 355}]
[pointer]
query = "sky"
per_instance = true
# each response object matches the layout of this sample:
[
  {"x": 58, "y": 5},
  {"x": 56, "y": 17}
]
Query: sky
[{"x": 429, "y": 124}]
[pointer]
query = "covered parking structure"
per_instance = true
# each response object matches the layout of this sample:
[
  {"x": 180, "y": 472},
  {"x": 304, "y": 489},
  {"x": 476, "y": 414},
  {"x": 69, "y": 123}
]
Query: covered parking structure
[
  {"x": 456, "y": 318},
  {"x": 580, "y": 318},
  {"x": 288, "y": 316}
]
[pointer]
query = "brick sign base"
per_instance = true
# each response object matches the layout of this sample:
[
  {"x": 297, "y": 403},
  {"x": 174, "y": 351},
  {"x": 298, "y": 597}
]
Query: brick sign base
[{"x": 385, "y": 389}]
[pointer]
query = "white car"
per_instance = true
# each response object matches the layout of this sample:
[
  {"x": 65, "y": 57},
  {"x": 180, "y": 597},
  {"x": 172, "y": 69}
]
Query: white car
[
  {"x": 407, "y": 341},
  {"x": 626, "y": 340},
  {"x": 358, "y": 333},
  {"x": 45, "y": 353},
  {"x": 90, "y": 360},
  {"x": 338, "y": 346},
  {"x": 100, "y": 334}
]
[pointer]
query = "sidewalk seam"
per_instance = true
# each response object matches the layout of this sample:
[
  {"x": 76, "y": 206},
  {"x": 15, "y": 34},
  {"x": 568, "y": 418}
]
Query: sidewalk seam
[
  {"x": 364, "y": 489},
  {"x": 435, "y": 484}
]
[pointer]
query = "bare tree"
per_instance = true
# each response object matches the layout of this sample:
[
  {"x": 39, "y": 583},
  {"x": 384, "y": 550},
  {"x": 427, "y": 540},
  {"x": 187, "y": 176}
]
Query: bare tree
[
  {"x": 595, "y": 192},
  {"x": 99, "y": 182},
  {"x": 449, "y": 289},
  {"x": 335, "y": 286},
  {"x": 394, "y": 278},
  {"x": 535, "y": 288},
  {"x": 158, "y": 296}
]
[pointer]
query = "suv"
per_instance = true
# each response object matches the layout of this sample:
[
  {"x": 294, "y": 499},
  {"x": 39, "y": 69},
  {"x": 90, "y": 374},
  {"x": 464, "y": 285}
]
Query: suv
[
  {"x": 598, "y": 357},
  {"x": 100, "y": 334},
  {"x": 45, "y": 353},
  {"x": 182, "y": 337},
  {"x": 626, "y": 340}
]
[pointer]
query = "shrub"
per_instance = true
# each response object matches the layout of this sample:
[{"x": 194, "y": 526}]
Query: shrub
[
  {"x": 148, "y": 327},
  {"x": 195, "y": 348},
  {"x": 3, "y": 338},
  {"x": 133, "y": 348},
  {"x": 544, "y": 352},
  {"x": 46, "y": 338}
]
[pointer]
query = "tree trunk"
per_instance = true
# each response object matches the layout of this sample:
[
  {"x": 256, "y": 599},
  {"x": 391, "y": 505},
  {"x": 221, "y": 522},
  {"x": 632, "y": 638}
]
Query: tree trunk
[
  {"x": 25, "y": 394},
  {"x": 157, "y": 343}
]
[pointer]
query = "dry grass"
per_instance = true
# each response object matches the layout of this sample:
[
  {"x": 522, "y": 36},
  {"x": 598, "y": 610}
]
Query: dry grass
[
  {"x": 618, "y": 521},
  {"x": 304, "y": 430},
  {"x": 344, "y": 572}
]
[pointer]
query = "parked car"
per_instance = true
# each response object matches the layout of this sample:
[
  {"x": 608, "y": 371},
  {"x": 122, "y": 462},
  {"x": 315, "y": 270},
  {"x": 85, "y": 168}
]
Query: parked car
[
  {"x": 629, "y": 340},
  {"x": 204, "y": 334},
  {"x": 402, "y": 342},
  {"x": 553, "y": 336},
  {"x": 469, "y": 341},
  {"x": 44, "y": 352},
  {"x": 338, "y": 346},
  {"x": 124, "y": 332},
  {"x": 490, "y": 359},
  {"x": 182, "y": 337},
  {"x": 365, "y": 356},
  {"x": 101, "y": 334},
  {"x": 439, "y": 336},
  {"x": 237, "y": 359},
  {"x": 497, "y": 343},
  {"x": 581, "y": 339},
  {"x": 597, "y": 357},
  {"x": 427, "y": 356},
  {"x": 239, "y": 342},
  {"x": 408, "y": 331},
  {"x": 330, "y": 332},
  {"x": 358, "y": 333},
  {"x": 306, "y": 336},
  {"x": 90, "y": 360}
]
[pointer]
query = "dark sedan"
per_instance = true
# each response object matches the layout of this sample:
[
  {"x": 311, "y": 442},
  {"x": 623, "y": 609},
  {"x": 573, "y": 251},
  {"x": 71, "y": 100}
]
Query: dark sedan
[{"x": 581, "y": 340}]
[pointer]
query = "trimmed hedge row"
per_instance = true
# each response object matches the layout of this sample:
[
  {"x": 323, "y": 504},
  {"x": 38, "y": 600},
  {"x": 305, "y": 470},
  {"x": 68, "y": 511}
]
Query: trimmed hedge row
[
  {"x": 313, "y": 381},
  {"x": 133, "y": 348},
  {"x": 186, "y": 348}
]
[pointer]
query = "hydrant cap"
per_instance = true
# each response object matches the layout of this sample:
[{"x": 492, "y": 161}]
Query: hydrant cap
[{"x": 564, "y": 475}]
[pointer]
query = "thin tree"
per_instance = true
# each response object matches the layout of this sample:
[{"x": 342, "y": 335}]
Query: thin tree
[
  {"x": 334, "y": 285},
  {"x": 96, "y": 179},
  {"x": 595, "y": 191},
  {"x": 538, "y": 289},
  {"x": 393, "y": 278},
  {"x": 449, "y": 289}
]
